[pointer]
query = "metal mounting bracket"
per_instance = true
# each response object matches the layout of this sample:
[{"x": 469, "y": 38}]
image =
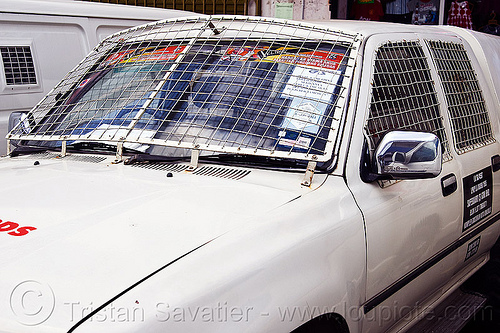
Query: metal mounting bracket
[
  {"x": 307, "y": 181},
  {"x": 193, "y": 164},
  {"x": 119, "y": 153},
  {"x": 63, "y": 148}
]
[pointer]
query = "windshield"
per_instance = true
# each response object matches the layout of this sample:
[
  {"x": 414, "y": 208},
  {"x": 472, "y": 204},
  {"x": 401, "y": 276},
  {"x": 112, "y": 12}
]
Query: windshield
[{"x": 218, "y": 95}]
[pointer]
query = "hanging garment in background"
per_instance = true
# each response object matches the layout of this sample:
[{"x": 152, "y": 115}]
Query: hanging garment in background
[
  {"x": 397, "y": 7},
  {"x": 492, "y": 27},
  {"x": 397, "y": 11},
  {"x": 368, "y": 10},
  {"x": 460, "y": 14},
  {"x": 424, "y": 11},
  {"x": 482, "y": 12}
]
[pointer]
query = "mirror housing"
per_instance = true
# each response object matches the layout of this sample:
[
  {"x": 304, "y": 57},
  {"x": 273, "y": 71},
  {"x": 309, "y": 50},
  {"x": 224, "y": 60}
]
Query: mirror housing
[
  {"x": 406, "y": 155},
  {"x": 25, "y": 118}
]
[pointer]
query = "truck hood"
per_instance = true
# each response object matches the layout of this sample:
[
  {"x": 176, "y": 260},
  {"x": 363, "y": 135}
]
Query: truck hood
[{"x": 101, "y": 228}]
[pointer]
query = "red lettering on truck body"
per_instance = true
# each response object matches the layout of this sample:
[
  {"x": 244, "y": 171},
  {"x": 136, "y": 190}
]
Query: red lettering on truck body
[{"x": 13, "y": 228}]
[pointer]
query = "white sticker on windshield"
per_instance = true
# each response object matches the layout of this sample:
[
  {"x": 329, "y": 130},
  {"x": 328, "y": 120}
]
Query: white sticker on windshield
[
  {"x": 111, "y": 132},
  {"x": 300, "y": 143},
  {"x": 304, "y": 116},
  {"x": 311, "y": 83},
  {"x": 310, "y": 90}
]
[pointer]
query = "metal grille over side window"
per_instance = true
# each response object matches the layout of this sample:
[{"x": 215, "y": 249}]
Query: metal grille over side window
[
  {"x": 403, "y": 94},
  {"x": 466, "y": 105},
  {"x": 18, "y": 65}
]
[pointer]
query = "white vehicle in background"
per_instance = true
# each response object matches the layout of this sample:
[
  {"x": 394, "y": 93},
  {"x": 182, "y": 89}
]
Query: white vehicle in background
[
  {"x": 237, "y": 174},
  {"x": 42, "y": 40}
]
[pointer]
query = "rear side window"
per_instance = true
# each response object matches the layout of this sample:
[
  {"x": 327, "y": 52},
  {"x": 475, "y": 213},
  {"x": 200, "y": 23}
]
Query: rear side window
[
  {"x": 403, "y": 94},
  {"x": 466, "y": 106}
]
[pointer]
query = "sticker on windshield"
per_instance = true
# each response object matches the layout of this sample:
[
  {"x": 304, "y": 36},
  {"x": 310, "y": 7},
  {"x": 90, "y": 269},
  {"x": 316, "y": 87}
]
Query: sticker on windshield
[
  {"x": 115, "y": 58},
  {"x": 165, "y": 54},
  {"x": 310, "y": 91},
  {"x": 242, "y": 53},
  {"x": 111, "y": 132},
  {"x": 477, "y": 197},
  {"x": 310, "y": 83},
  {"x": 261, "y": 53},
  {"x": 318, "y": 59},
  {"x": 299, "y": 142},
  {"x": 83, "y": 83},
  {"x": 287, "y": 55},
  {"x": 304, "y": 116}
]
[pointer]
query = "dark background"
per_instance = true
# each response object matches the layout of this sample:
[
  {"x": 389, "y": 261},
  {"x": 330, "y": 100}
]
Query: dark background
[{"x": 486, "y": 282}]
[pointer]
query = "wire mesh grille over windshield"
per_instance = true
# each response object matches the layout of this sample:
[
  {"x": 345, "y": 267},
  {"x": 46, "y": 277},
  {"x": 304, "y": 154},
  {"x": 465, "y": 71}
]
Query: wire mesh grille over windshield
[{"x": 242, "y": 85}]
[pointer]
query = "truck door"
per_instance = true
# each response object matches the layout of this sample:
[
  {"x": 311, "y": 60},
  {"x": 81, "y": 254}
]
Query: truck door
[
  {"x": 472, "y": 109},
  {"x": 408, "y": 222}
]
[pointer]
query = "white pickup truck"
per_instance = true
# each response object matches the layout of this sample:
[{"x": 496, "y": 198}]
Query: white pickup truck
[{"x": 236, "y": 174}]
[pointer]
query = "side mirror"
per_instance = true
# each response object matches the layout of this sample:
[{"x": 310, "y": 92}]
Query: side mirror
[
  {"x": 24, "y": 118},
  {"x": 407, "y": 155}
]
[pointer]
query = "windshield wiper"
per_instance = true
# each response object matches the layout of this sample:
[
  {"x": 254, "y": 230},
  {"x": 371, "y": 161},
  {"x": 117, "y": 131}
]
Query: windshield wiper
[
  {"x": 147, "y": 158},
  {"x": 255, "y": 161},
  {"x": 85, "y": 146},
  {"x": 96, "y": 146},
  {"x": 225, "y": 158}
]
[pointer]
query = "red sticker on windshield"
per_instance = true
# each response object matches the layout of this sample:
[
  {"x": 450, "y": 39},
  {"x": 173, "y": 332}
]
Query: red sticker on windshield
[
  {"x": 242, "y": 53},
  {"x": 116, "y": 57},
  {"x": 83, "y": 83},
  {"x": 165, "y": 54},
  {"x": 319, "y": 59}
]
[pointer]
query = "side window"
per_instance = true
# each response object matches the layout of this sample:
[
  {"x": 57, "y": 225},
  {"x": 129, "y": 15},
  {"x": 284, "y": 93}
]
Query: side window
[
  {"x": 403, "y": 94},
  {"x": 466, "y": 106},
  {"x": 18, "y": 65}
]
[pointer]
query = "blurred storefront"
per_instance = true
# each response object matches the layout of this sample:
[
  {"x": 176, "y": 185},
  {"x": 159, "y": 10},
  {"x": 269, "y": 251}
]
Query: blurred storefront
[
  {"x": 480, "y": 15},
  {"x": 238, "y": 7}
]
